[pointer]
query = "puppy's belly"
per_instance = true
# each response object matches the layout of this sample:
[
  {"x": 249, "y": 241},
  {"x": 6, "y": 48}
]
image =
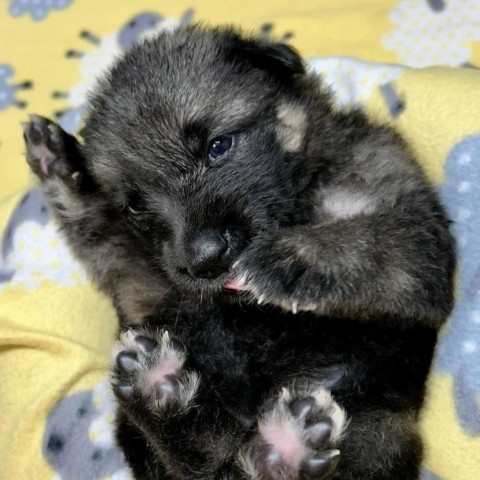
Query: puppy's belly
[{"x": 361, "y": 363}]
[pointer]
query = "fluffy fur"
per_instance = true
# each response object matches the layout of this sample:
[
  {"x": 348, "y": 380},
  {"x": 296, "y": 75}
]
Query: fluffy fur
[{"x": 288, "y": 293}]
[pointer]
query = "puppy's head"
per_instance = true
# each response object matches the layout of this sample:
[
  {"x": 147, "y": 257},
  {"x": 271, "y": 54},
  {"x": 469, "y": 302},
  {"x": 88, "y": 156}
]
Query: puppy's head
[{"x": 190, "y": 137}]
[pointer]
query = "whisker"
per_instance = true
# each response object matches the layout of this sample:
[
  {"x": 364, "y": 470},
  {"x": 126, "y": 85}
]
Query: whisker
[
  {"x": 178, "y": 310},
  {"x": 160, "y": 299}
]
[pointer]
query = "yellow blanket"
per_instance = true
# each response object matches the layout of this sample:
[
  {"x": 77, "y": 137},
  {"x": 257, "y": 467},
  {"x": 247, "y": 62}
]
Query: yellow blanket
[{"x": 56, "y": 329}]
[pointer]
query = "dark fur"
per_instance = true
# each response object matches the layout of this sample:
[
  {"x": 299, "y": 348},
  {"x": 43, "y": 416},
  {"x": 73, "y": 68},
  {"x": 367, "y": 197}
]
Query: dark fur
[{"x": 326, "y": 214}]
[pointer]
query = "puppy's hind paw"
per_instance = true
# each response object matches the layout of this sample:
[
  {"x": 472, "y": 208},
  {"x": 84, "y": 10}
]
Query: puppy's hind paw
[
  {"x": 297, "y": 438},
  {"x": 151, "y": 370},
  {"x": 51, "y": 153}
]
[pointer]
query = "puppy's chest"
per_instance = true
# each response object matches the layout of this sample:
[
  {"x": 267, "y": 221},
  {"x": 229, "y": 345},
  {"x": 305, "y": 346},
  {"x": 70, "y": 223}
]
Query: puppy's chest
[{"x": 229, "y": 351}]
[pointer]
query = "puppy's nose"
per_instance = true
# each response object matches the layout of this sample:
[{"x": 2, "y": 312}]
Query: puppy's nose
[{"x": 207, "y": 255}]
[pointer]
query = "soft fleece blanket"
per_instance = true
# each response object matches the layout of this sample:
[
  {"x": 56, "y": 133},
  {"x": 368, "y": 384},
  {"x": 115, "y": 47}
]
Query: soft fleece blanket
[{"x": 56, "y": 329}]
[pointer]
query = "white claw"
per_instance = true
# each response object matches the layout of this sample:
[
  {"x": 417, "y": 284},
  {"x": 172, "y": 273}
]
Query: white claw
[
  {"x": 261, "y": 299},
  {"x": 242, "y": 280},
  {"x": 294, "y": 307},
  {"x": 235, "y": 265},
  {"x": 284, "y": 394},
  {"x": 166, "y": 336}
]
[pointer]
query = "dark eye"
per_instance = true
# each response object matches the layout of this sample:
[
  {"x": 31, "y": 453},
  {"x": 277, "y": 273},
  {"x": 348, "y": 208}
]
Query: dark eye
[
  {"x": 220, "y": 146},
  {"x": 133, "y": 210},
  {"x": 135, "y": 205}
]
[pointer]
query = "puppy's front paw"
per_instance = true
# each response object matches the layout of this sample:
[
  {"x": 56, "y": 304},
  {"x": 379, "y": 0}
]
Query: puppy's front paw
[
  {"x": 276, "y": 269},
  {"x": 51, "y": 153},
  {"x": 296, "y": 438},
  {"x": 151, "y": 371}
]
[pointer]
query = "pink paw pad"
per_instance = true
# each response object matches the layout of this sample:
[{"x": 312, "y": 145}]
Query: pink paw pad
[
  {"x": 297, "y": 438},
  {"x": 51, "y": 153},
  {"x": 153, "y": 369}
]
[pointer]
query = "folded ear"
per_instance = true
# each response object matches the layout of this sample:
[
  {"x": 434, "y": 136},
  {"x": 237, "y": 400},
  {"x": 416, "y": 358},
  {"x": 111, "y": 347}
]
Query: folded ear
[{"x": 279, "y": 59}]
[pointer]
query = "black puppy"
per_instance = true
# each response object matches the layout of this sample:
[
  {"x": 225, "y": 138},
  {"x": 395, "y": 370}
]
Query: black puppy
[{"x": 284, "y": 267}]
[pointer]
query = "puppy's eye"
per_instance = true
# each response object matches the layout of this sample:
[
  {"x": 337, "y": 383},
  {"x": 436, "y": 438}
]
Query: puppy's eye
[
  {"x": 133, "y": 210},
  {"x": 135, "y": 205},
  {"x": 220, "y": 146}
]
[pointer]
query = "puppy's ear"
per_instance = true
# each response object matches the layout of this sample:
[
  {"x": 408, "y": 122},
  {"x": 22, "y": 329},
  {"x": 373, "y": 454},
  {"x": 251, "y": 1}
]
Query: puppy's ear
[{"x": 279, "y": 59}]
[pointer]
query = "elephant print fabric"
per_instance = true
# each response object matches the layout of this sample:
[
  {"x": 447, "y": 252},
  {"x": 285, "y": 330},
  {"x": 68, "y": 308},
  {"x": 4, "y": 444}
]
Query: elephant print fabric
[{"x": 55, "y": 52}]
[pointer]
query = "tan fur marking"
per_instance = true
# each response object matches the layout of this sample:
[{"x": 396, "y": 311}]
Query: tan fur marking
[
  {"x": 292, "y": 126},
  {"x": 344, "y": 204}
]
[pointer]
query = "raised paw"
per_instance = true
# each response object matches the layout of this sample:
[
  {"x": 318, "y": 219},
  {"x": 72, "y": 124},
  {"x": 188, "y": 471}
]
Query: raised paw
[
  {"x": 152, "y": 370},
  {"x": 275, "y": 270},
  {"x": 52, "y": 153},
  {"x": 297, "y": 438}
]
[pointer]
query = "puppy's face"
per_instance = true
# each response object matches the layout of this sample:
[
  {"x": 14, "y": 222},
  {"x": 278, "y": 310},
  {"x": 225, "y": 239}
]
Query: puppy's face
[{"x": 189, "y": 139}]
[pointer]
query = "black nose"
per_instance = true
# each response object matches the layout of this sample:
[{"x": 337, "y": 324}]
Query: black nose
[{"x": 207, "y": 255}]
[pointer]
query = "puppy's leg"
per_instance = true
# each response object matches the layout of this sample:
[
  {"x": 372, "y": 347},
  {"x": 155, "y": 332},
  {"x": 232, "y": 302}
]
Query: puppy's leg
[
  {"x": 55, "y": 158},
  {"x": 306, "y": 435},
  {"x": 380, "y": 445},
  {"x": 397, "y": 264},
  {"x": 168, "y": 404},
  {"x": 85, "y": 218},
  {"x": 138, "y": 453},
  {"x": 298, "y": 436}
]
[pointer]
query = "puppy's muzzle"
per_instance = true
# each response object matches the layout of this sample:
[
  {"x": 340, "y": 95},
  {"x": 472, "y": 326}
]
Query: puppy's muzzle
[{"x": 208, "y": 254}]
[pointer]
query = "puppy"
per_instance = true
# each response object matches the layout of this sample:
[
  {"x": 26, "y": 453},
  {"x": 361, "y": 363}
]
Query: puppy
[{"x": 280, "y": 269}]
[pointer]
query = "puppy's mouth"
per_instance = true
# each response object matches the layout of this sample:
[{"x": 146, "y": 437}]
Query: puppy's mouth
[
  {"x": 207, "y": 264},
  {"x": 234, "y": 284},
  {"x": 227, "y": 283}
]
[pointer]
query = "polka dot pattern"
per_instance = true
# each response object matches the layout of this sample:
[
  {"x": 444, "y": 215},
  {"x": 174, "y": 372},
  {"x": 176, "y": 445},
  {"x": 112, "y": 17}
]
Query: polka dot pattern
[
  {"x": 459, "y": 348},
  {"x": 425, "y": 35}
]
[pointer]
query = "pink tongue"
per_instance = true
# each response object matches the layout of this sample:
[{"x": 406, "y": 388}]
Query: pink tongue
[{"x": 233, "y": 285}]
